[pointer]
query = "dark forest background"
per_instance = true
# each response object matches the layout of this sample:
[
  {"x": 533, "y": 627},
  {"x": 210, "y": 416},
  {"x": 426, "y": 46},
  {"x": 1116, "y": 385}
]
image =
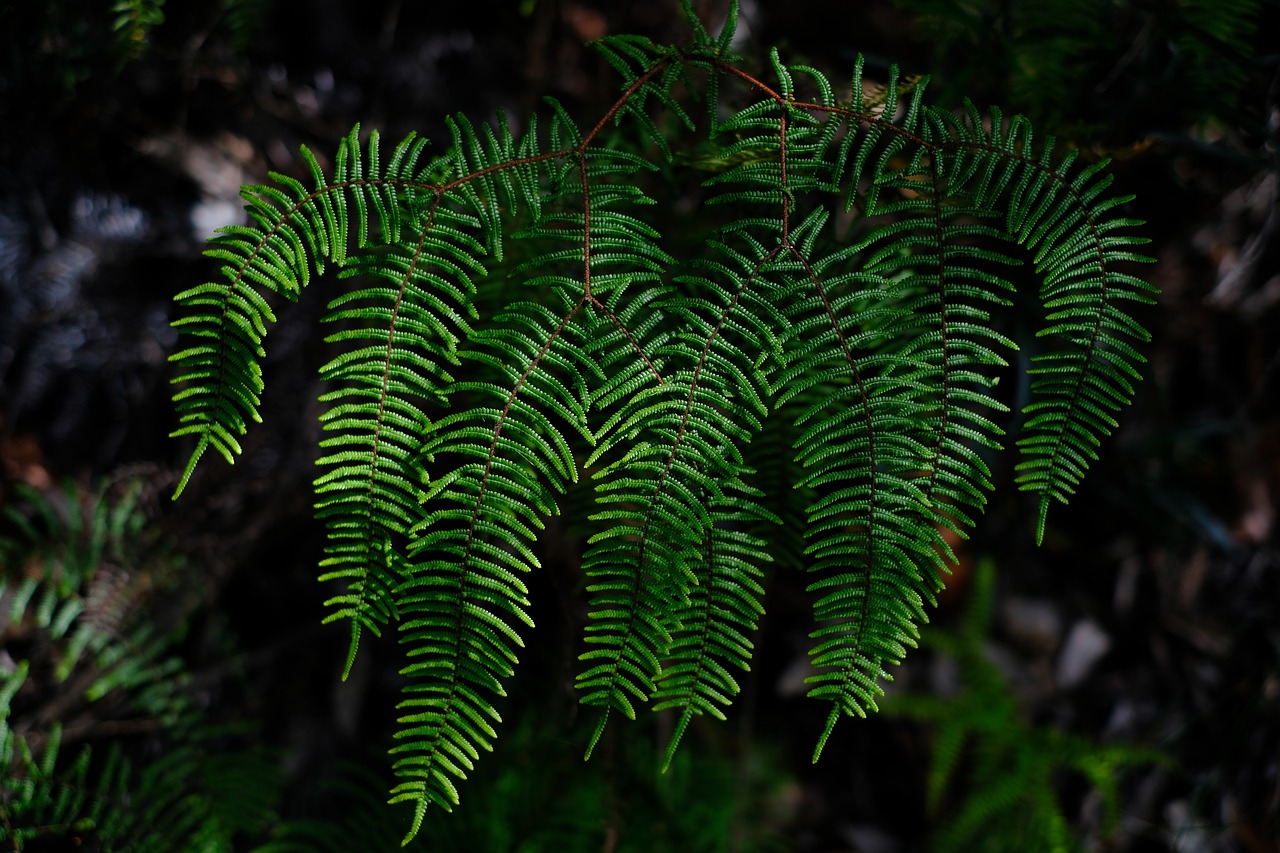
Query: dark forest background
[{"x": 1150, "y": 617}]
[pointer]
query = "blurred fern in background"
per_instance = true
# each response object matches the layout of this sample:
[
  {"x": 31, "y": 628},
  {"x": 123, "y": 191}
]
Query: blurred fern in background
[
  {"x": 994, "y": 782},
  {"x": 102, "y": 743}
]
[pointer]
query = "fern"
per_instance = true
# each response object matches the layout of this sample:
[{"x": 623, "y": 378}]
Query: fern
[
  {"x": 95, "y": 664},
  {"x": 992, "y": 783},
  {"x": 469, "y": 395},
  {"x": 165, "y": 805}
]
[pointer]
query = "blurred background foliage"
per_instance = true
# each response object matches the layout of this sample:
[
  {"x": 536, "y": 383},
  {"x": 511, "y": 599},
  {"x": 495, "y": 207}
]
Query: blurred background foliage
[
  {"x": 1106, "y": 72},
  {"x": 1144, "y": 628}
]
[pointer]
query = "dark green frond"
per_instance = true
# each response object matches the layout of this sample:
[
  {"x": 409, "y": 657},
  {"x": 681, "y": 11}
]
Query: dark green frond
[
  {"x": 1081, "y": 251},
  {"x": 994, "y": 779},
  {"x": 716, "y": 623},
  {"x": 673, "y": 583}
]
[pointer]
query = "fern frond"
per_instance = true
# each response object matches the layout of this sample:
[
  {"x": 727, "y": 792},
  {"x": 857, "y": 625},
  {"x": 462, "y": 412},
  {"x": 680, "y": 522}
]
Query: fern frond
[
  {"x": 716, "y": 624},
  {"x": 673, "y": 584},
  {"x": 507, "y": 459},
  {"x": 460, "y": 607},
  {"x": 470, "y": 390},
  {"x": 112, "y": 804},
  {"x": 295, "y": 230},
  {"x": 101, "y": 651},
  {"x": 404, "y": 324},
  {"x": 1079, "y": 249}
]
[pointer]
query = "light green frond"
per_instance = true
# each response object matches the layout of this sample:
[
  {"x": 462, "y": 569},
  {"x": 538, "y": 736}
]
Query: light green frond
[
  {"x": 503, "y": 462},
  {"x": 671, "y": 605},
  {"x": 718, "y": 618},
  {"x": 295, "y": 230},
  {"x": 401, "y": 325}
]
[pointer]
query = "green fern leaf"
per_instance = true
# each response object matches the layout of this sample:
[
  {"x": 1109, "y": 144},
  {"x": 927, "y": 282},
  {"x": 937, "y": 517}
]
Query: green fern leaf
[{"x": 471, "y": 389}]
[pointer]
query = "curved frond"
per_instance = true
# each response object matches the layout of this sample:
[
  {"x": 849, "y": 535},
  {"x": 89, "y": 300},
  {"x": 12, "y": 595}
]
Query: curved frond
[
  {"x": 295, "y": 230},
  {"x": 1063, "y": 219}
]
